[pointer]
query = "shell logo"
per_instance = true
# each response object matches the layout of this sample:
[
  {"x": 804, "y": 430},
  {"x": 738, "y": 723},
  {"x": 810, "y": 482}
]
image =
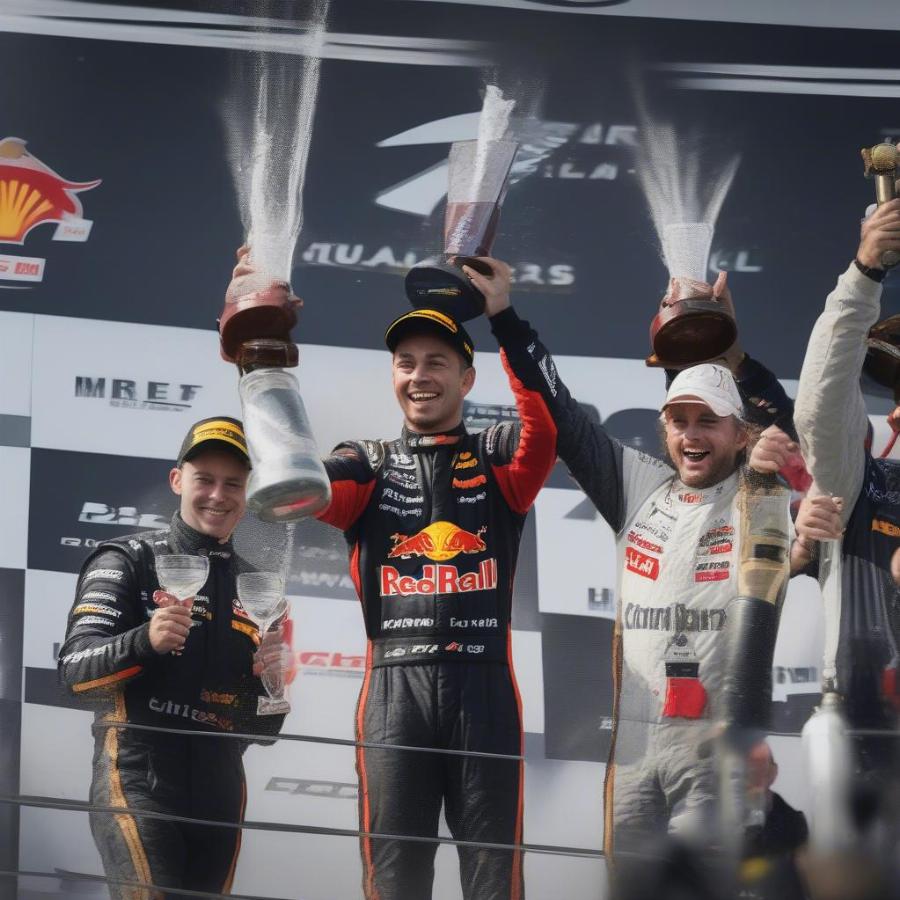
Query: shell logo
[{"x": 31, "y": 193}]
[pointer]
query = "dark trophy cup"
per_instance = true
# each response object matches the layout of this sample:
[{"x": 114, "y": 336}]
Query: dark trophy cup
[
  {"x": 287, "y": 478},
  {"x": 692, "y": 325},
  {"x": 256, "y": 322},
  {"x": 882, "y": 363},
  {"x": 477, "y": 185}
]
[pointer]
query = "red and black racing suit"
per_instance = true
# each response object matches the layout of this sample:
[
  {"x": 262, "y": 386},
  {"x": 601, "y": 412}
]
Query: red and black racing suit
[
  {"x": 107, "y": 658},
  {"x": 433, "y": 524}
]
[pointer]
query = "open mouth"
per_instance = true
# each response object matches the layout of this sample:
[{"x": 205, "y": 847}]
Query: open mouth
[
  {"x": 696, "y": 455},
  {"x": 422, "y": 396},
  {"x": 217, "y": 513}
]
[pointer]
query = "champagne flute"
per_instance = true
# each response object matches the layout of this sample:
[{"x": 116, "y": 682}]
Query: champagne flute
[
  {"x": 182, "y": 575},
  {"x": 261, "y": 595}
]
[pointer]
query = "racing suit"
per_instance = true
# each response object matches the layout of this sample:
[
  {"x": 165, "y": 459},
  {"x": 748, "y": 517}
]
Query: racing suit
[
  {"x": 677, "y": 555},
  {"x": 107, "y": 659},
  {"x": 832, "y": 422},
  {"x": 433, "y": 524}
]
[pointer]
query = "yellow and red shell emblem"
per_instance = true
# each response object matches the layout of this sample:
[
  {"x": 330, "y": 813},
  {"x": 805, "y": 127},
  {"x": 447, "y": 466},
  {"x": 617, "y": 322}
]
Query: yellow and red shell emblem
[
  {"x": 31, "y": 193},
  {"x": 440, "y": 541}
]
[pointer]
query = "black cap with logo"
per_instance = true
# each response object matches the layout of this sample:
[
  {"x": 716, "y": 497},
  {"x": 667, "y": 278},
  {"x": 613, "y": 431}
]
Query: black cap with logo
[
  {"x": 431, "y": 321},
  {"x": 206, "y": 434}
]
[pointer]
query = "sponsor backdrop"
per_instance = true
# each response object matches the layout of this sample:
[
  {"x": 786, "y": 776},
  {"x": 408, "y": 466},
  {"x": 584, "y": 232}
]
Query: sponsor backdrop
[{"x": 112, "y": 273}]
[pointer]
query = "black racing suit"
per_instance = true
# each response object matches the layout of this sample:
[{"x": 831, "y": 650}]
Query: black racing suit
[
  {"x": 433, "y": 526},
  {"x": 107, "y": 658}
]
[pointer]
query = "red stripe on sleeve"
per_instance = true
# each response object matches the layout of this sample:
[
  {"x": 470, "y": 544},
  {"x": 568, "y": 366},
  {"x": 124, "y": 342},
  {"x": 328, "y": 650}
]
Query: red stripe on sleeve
[
  {"x": 348, "y": 500},
  {"x": 520, "y": 479}
]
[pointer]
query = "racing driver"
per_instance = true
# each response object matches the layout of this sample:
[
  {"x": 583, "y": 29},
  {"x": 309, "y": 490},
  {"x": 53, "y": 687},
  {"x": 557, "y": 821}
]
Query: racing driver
[
  {"x": 433, "y": 521},
  {"x": 144, "y": 658},
  {"x": 678, "y": 547}
]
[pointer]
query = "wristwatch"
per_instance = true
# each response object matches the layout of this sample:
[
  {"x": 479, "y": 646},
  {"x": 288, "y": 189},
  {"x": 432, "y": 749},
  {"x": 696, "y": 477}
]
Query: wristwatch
[{"x": 869, "y": 272}]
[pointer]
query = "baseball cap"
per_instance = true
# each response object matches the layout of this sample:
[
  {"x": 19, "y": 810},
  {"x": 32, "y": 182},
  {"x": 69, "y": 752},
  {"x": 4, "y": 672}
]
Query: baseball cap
[
  {"x": 710, "y": 384},
  {"x": 222, "y": 430},
  {"x": 431, "y": 321}
]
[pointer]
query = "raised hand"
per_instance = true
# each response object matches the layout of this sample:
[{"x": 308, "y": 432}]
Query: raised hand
[
  {"x": 772, "y": 451},
  {"x": 880, "y": 232},
  {"x": 495, "y": 286},
  {"x": 169, "y": 626}
]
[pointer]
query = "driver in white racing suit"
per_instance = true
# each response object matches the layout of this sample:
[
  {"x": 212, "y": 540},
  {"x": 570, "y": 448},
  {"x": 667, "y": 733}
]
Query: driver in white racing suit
[{"x": 678, "y": 542}]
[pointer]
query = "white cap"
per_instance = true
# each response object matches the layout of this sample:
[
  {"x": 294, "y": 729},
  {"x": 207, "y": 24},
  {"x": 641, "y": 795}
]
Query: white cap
[{"x": 710, "y": 384}]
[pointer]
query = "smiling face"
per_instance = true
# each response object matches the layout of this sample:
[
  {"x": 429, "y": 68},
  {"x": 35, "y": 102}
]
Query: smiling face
[
  {"x": 213, "y": 491},
  {"x": 703, "y": 447},
  {"x": 430, "y": 380}
]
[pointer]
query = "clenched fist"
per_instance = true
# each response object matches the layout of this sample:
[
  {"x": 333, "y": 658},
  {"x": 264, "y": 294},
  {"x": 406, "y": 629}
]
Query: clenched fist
[
  {"x": 169, "y": 626},
  {"x": 819, "y": 519},
  {"x": 772, "y": 451},
  {"x": 880, "y": 232}
]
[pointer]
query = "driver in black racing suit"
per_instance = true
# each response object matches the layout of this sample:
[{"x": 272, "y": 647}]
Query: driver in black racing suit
[
  {"x": 433, "y": 522},
  {"x": 118, "y": 653}
]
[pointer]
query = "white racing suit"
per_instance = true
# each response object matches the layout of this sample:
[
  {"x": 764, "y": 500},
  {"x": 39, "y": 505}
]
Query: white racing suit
[
  {"x": 832, "y": 424},
  {"x": 677, "y": 552}
]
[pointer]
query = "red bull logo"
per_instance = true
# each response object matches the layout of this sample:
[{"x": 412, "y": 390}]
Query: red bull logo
[
  {"x": 31, "y": 193},
  {"x": 438, "y": 579},
  {"x": 439, "y": 542}
]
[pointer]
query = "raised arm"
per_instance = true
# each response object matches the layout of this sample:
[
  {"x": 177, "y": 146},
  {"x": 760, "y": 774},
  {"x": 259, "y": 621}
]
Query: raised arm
[
  {"x": 606, "y": 471},
  {"x": 830, "y": 413}
]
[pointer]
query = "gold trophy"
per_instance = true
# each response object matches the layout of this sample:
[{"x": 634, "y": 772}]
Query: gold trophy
[{"x": 881, "y": 163}]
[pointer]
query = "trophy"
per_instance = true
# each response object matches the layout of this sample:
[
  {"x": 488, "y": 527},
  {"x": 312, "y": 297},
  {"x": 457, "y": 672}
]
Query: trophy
[
  {"x": 477, "y": 183},
  {"x": 881, "y": 163},
  {"x": 261, "y": 595},
  {"x": 882, "y": 362},
  {"x": 287, "y": 478},
  {"x": 181, "y": 575},
  {"x": 684, "y": 186},
  {"x": 692, "y": 325},
  {"x": 255, "y": 325}
]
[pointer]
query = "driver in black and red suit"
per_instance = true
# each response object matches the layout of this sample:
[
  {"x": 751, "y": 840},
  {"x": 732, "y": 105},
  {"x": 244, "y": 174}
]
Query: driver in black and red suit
[{"x": 433, "y": 521}]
